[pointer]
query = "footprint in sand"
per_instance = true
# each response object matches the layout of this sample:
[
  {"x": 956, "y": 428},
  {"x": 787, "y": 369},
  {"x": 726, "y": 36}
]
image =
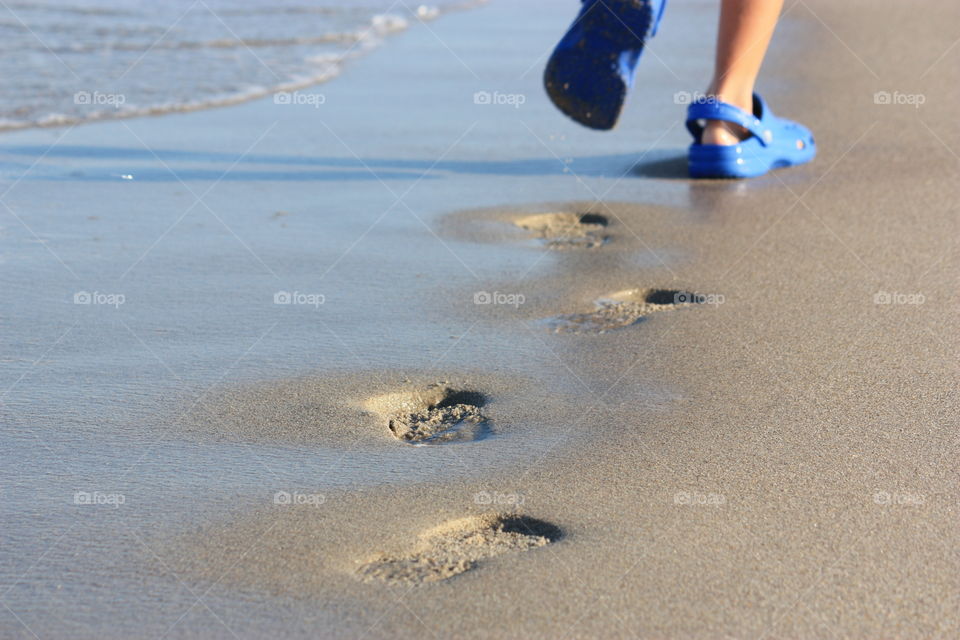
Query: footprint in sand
[
  {"x": 458, "y": 546},
  {"x": 567, "y": 230},
  {"x": 434, "y": 415},
  {"x": 621, "y": 309}
]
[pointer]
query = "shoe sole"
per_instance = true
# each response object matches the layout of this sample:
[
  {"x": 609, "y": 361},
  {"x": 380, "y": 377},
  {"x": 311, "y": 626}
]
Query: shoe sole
[
  {"x": 706, "y": 163},
  {"x": 586, "y": 81}
]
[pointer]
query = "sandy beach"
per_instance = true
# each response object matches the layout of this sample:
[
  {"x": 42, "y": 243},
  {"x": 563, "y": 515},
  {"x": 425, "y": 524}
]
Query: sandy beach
[{"x": 420, "y": 358}]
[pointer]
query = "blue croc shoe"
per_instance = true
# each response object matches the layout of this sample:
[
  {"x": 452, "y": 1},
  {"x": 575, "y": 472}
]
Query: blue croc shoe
[
  {"x": 592, "y": 67},
  {"x": 773, "y": 142}
]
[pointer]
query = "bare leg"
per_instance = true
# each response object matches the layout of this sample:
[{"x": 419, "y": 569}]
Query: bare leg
[{"x": 745, "y": 30}]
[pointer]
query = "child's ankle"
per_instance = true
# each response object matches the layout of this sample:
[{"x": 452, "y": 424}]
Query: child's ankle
[
  {"x": 723, "y": 133},
  {"x": 719, "y": 132},
  {"x": 738, "y": 96}
]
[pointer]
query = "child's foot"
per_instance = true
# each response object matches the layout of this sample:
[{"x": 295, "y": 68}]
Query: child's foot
[
  {"x": 770, "y": 142},
  {"x": 723, "y": 133},
  {"x": 592, "y": 67},
  {"x": 720, "y": 132}
]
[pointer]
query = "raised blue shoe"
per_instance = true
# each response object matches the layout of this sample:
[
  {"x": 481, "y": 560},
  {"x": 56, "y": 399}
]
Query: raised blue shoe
[
  {"x": 593, "y": 66},
  {"x": 772, "y": 142}
]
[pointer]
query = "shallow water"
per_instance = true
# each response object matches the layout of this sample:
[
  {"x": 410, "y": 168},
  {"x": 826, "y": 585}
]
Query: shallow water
[{"x": 70, "y": 61}]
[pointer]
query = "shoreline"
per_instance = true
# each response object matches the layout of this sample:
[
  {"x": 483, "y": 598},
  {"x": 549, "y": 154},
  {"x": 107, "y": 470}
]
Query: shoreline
[{"x": 362, "y": 42}]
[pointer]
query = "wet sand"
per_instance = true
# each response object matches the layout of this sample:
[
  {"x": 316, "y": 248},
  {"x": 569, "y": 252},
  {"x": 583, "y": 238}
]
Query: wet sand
[{"x": 779, "y": 461}]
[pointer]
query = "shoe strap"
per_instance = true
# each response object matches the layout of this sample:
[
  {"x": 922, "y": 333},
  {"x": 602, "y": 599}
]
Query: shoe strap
[
  {"x": 656, "y": 23},
  {"x": 709, "y": 108},
  {"x": 656, "y": 20}
]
